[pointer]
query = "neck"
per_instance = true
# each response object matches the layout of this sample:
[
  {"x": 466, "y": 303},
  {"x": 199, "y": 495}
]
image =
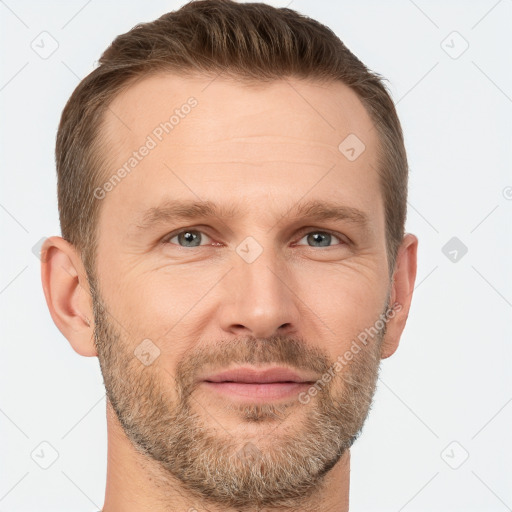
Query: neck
[{"x": 137, "y": 484}]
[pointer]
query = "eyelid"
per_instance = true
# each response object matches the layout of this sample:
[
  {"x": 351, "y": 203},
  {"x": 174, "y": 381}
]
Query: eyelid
[
  {"x": 200, "y": 229},
  {"x": 301, "y": 233},
  {"x": 312, "y": 229}
]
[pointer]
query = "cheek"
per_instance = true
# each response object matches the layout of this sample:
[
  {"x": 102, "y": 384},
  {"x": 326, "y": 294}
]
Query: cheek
[
  {"x": 163, "y": 303},
  {"x": 176, "y": 302},
  {"x": 347, "y": 299}
]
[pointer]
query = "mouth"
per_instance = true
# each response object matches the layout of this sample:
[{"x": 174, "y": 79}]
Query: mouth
[{"x": 258, "y": 385}]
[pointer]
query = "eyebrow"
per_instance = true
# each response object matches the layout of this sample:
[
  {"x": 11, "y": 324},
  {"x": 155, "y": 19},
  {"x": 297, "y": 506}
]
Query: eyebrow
[{"x": 186, "y": 210}]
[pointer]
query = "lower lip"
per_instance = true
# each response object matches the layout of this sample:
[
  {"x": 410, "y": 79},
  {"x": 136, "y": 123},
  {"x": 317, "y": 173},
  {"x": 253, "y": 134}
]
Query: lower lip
[{"x": 259, "y": 392}]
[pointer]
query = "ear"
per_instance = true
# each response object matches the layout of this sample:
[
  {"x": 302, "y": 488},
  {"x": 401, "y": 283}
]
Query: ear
[
  {"x": 404, "y": 277},
  {"x": 67, "y": 294}
]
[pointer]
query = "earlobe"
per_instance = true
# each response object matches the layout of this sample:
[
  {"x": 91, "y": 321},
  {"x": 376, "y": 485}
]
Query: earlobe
[
  {"x": 67, "y": 294},
  {"x": 404, "y": 278}
]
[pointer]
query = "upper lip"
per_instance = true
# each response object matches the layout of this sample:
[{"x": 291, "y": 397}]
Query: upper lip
[{"x": 258, "y": 376}]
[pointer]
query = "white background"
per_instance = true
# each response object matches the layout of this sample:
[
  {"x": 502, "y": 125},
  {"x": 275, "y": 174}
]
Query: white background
[{"x": 450, "y": 379}]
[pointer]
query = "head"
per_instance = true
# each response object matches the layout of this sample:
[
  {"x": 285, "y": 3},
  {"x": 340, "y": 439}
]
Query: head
[{"x": 232, "y": 187}]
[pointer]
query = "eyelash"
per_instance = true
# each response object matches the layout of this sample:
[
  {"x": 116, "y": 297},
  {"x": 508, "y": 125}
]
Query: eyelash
[{"x": 343, "y": 239}]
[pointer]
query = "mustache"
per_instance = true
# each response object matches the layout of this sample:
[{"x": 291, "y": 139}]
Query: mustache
[{"x": 276, "y": 350}]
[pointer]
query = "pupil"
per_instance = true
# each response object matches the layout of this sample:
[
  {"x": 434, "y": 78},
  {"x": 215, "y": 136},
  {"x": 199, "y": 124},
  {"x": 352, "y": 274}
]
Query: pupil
[
  {"x": 189, "y": 237},
  {"x": 318, "y": 238}
]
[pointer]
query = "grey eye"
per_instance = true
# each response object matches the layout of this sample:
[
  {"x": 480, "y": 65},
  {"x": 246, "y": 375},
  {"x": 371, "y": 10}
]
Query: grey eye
[
  {"x": 188, "y": 238},
  {"x": 320, "y": 238}
]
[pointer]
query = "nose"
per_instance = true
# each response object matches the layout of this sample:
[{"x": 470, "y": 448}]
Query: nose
[{"x": 258, "y": 298}]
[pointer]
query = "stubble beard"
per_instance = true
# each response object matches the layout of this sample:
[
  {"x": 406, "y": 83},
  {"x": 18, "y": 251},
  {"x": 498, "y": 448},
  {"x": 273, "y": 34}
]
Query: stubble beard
[{"x": 283, "y": 467}]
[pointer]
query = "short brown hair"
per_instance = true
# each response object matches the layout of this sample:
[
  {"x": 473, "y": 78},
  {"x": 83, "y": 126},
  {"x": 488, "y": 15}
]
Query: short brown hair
[{"x": 254, "y": 42}]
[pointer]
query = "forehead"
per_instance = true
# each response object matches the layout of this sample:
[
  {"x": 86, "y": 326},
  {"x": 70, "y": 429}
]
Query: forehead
[
  {"x": 318, "y": 112},
  {"x": 217, "y": 136}
]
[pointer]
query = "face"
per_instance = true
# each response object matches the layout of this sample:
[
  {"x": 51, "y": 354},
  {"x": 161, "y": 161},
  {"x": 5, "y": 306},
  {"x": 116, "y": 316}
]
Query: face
[{"x": 242, "y": 239}]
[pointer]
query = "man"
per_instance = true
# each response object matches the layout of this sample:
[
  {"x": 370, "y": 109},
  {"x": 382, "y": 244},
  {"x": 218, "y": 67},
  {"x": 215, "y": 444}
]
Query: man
[{"x": 232, "y": 188}]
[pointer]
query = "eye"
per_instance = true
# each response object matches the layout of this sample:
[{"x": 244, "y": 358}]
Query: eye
[
  {"x": 321, "y": 238},
  {"x": 190, "y": 238},
  {"x": 187, "y": 237}
]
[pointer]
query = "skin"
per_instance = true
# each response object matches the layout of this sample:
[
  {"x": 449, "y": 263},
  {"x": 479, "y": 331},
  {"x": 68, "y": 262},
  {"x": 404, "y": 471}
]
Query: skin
[{"x": 260, "y": 150}]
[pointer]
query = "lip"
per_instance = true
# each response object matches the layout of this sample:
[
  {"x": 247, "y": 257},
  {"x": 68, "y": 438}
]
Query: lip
[
  {"x": 258, "y": 385},
  {"x": 248, "y": 375}
]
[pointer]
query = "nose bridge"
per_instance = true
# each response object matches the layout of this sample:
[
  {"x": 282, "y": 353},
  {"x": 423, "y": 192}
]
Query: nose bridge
[{"x": 258, "y": 268}]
